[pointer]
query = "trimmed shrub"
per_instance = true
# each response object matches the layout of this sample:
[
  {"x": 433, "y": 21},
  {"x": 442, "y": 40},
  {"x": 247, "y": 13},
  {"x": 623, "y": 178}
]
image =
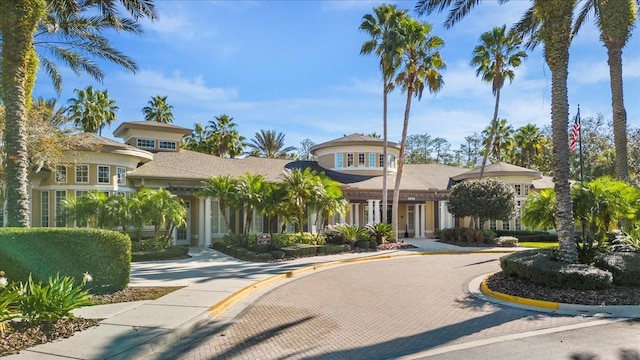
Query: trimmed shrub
[
  {"x": 625, "y": 267},
  {"x": 173, "y": 252},
  {"x": 363, "y": 244},
  {"x": 277, "y": 254},
  {"x": 329, "y": 249},
  {"x": 284, "y": 240},
  {"x": 529, "y": 236},
  {"x": 46, "y": 252},
  {"x": 298, "y": 250},
  {"x": 542, "y": 267},
  {"x": 463, "y": 235},
  {"x": 264, "y": 257},
  {"x": 507, "y": 241},
  {"x": 488, "y": 236}
]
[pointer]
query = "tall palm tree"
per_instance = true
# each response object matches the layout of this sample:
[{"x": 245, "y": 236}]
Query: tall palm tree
[
  {"x": 495, "y": 58},
  {"x": 158, "y": 110},
  {"x": 547, "y": 21},
  {"x": 199, "y": 140},
  {"x": 421, "y": 66},
  {"x": 223, "y": 188},
  {"x": 92, "y": 110},
  {"x": 500, "y": 142},
  {"x": 249, "y": 193},
  {"x": 226, "y": 139},
  {"x": 529, "y": 141},
  {"x": 66, "y": 19},
  {"x": 269, "y": 145},
  {"x": 383, "y": 27},
  {"x": 615, "y": 19},
  {"x": 302, "y": 187}
]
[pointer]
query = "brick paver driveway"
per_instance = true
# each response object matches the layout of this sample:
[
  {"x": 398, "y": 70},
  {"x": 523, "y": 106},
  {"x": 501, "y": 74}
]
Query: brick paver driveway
[{"x": 372, "y": 310}]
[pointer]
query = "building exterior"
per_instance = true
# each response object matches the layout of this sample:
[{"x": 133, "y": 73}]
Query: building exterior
[{"x": 150, "y": 156}]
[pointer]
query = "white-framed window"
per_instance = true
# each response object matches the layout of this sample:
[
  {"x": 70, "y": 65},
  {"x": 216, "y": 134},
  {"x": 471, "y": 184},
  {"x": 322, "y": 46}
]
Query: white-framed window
[
  {"x": 122, "y": 175},
  {"x": 349, "y": 160},
  {"x": 506, "y": 225},
  {"x": 218, "y": 225},
  {"x": 61, "y": 195},
  {"x": 380, "y": 160},
  {"x": 82, "y": 174},
  {"x": 104, "y": 174},
  {"x": 339, "y": 160},
  {"x": 44, "y": 209},
  {"x": 518, "y": 223},
  {"x": 146, "y": 143},
  {"x": 257, "y": 224},
  {"x": 493, "y": 225},
  {"x": 361, "y": 159},
  {"x": 81, "y": 193},
  {"x": 61, "y": 174},
  {"x": 372, "y": 160},
  {"x": 518, "y": 189},
  {"x": 165, "y": 144},
  {"x": 526, "y": 189}
]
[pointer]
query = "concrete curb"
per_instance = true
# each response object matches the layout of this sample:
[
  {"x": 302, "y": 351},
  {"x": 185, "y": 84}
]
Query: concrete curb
[{"x": 614, "y": 311}]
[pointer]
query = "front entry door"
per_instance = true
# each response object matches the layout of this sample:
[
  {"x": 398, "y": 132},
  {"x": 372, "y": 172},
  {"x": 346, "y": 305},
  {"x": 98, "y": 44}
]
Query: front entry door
[{"x": 183, "y": 235}]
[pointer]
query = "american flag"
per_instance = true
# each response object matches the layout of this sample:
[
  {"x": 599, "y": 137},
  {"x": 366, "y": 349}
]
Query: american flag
[{"x": 575, "y": 132}]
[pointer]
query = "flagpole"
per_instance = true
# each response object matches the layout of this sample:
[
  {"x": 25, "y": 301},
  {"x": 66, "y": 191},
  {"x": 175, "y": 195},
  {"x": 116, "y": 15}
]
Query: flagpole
[{"x": 580, "y": 147}]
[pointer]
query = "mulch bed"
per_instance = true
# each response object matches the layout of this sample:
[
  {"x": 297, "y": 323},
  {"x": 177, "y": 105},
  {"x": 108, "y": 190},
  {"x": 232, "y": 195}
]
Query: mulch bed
[
  {"x": 20, "y": 335},
  {"x": 616, "y": 295}
]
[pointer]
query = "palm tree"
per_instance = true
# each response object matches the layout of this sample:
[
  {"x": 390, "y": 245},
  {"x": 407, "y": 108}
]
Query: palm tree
[
  {"x": 199, "y": 140},
  {"x": 495, "y": 58},
  {"x": 548, "y": 21},
  {"x": 225, "y": 138},
  {"x": 66, "y": 20},
  {"x": 501, "y": 142},
  {"x": 249, "y": 192},
  {"x": 615, "y": 18},
  {"x": 421, "y": 63},
  {"x": 539, "y": 210},
  {"x": 302, "y": 187},
  {"x": 92, "y": 110},
  {"x": 269, "y": 145},
  {"x": 158, "y": 110},
  {"x": 223, "y": 188},
  {"x": 530, "y": 142},
  {"x": 383, "y": 28}
]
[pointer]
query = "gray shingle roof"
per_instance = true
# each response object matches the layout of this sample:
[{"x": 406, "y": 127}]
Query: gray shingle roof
[
  {"x": 354, "y": 139},
  {"x": 496, "y": 170},
  {"x": 150, "y": 125}
]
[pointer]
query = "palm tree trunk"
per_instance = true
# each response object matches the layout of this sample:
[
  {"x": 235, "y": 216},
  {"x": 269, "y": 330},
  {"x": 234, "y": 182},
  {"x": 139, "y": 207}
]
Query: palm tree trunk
[
  {"x": 614, "y": 60},
  {"x": 384, "y": 155},
  {"x": 557, "y": 33},
  {"x": 17, "y": 23},
  {"x": 492, "y": 132},
  {"x": 403, "y": 141}
]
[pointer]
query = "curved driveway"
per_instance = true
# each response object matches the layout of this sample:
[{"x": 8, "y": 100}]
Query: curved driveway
[{"x": 380, "y": 310}]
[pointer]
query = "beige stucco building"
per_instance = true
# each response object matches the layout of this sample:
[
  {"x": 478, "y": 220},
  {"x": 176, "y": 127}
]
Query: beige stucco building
[{"x": 150, "y": 156}]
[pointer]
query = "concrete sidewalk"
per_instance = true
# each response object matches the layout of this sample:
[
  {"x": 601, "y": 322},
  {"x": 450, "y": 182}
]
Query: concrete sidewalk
[{"x": 213, "y": 282}]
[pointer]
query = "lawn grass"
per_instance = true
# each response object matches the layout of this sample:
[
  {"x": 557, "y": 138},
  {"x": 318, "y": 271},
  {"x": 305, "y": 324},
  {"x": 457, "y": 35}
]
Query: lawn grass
[{"x": 538, "y": 245}]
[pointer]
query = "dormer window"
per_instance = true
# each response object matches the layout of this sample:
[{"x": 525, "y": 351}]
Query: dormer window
[
  {"x": 146, "y": 143},
  {"x": 167, "y": 145}
]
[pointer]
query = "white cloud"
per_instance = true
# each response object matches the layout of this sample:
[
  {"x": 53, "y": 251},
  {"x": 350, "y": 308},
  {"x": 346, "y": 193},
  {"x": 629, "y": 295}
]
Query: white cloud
[
  {"x": 181, "y": 87},
  {"x": 348, "y": 5}
]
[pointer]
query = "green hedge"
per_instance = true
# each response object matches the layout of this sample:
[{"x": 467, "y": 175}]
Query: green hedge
[
  {"x": 284, "y": 240},
  {"x": 529, "y": 236},
  {"x": 173, "y": 252},
  {"x": 298, "y": 250},
  {"x": 468, "y": 235},
  {"x": 625, "y": 267},
  {"x": 329, "y": 249},
  {"x": 542, "y": 267},
  {"x": 45, "y": 252}
]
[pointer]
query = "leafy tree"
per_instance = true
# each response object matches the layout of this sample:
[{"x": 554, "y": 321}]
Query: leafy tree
[
  {"x": 158, "y": 110},
  {"x": 418, "y": 150},
  {"x": 79, "y": 38},
  {"x": 268, "y": 144},
  {"x": 383, "y": 26},
  {"x": 615, "y": 19},
  {"x": 470, "y": 150},
  {"x": 223, "y": 188},
  {"x": 495, "y": 59},
  {"x": 482, "y": 199},
  {"x": 548, "y": 22},
  {"x": 421, "y": 65},
  {"x": 441, "y": 148},
  {"x": 304, "y": 152},
  {"x": 92, "y": 110},
  {"x": 225, "y": 139}
]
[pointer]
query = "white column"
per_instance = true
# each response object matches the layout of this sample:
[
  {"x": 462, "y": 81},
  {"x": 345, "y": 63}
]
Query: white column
[
  {"x": 201, "y": 222},
  {"x": 416, "y": 222},
  {"x": 423, "y": 220},
  {"x": 376, "y": 210},
  {"x": 351, "y": 214},
  {"x": 370, "y": 212},
  {"x": 207, "y": 222},
  {"x": 357, "y": 214}
]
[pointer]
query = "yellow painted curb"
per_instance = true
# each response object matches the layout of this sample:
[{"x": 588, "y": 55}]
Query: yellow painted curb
[
  {"x": 224, "y": 305},
  {"x": 516, "y": 299}
]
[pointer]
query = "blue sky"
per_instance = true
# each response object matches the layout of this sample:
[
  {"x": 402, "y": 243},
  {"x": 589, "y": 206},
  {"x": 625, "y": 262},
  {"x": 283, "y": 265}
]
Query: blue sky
[{"x": 294, "y": 67}]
